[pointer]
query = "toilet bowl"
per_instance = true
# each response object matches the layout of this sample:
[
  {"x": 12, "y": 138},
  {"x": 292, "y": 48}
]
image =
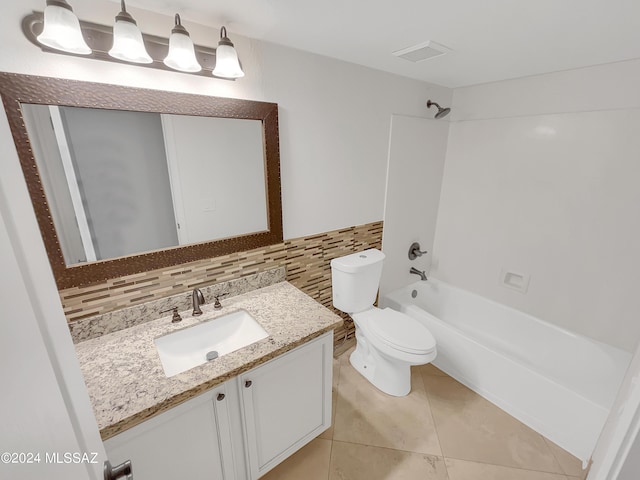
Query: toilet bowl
[{"x": 388, "y": 342}]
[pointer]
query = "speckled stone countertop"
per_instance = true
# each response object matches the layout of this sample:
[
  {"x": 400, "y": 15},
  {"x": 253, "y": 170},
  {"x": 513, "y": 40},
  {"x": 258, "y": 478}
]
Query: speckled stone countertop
[{"x": 125, "y": 378}]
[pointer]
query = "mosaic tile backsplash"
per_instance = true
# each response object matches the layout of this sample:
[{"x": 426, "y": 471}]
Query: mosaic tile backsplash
[
  {"x": 97, "y": 325},
  {"x": 306, "y": 260}
]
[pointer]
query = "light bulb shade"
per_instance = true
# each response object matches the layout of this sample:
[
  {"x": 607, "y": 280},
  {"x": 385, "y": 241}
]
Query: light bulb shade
[
  {"x": 227, "y": 63},
  {"x": 61, "y": 30},
  {"x": 128, "y": 44},
  {"x": 181, "y": 54}
]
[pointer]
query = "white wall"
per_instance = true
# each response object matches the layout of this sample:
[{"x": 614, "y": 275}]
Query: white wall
[
  {"x": 541, "y": 179},
  {"x": 617, "y": 453},
  {"x": 33, "y": 411},
  {"x": 631, "y": 469},
  {"x": 45, "y": 404},
  {"x": 334, "y": 116},
  {"x": 417, "y": 151}
]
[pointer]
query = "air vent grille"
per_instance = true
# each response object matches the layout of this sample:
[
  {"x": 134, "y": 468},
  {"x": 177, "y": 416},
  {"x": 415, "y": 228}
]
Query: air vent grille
[{"x": 422, "y": 51}]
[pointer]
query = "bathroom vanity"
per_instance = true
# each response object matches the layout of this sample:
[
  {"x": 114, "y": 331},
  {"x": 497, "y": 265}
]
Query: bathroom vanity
[
  {"x": 263, "y": 416},
  {"x": 234, "y": 417}
]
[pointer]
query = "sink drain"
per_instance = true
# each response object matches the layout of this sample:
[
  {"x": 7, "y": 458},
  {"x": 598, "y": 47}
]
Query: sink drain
[{"x": 212, "y": 355}]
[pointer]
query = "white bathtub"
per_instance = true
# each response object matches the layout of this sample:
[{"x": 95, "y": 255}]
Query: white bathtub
[{"x": 558, "y": 383}]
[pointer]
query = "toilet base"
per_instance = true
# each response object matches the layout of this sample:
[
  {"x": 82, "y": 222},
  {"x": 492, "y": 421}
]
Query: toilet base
[{"x": 390, "y": 375}]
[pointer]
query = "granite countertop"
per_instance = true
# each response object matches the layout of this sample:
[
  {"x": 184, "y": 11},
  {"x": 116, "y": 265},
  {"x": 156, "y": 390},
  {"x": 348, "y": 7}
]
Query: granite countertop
[{"x": 125, "y": 378}]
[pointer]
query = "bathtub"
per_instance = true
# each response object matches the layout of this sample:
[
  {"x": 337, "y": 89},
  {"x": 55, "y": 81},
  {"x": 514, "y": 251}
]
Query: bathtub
[{"x": 559, "y": 383}]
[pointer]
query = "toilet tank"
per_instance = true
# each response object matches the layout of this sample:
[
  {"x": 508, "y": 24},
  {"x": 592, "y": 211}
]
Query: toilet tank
[{"x": 355, "y": 279}]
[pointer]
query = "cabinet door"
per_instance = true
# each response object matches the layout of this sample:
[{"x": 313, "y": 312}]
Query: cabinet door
[
  {"x": 287, "y": 403},
  {"x": 183, "y": 442}
]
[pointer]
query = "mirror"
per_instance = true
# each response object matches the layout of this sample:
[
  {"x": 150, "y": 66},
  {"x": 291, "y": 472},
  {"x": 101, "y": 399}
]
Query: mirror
[
  {"x": 121, "y": 183},
  {"x": 126, "y": 180}
]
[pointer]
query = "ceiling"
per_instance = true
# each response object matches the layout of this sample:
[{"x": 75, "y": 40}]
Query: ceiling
[{"x": 490, "y": 39}]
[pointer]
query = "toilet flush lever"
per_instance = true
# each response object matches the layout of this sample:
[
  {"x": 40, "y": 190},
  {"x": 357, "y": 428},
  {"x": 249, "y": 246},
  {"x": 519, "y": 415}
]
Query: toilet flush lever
[{"x": 414, "y": 251}]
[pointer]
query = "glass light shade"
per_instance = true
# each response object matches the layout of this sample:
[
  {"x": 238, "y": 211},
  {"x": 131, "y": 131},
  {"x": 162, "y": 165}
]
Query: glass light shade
[
  {"x": 227, "y": 64},
  {"x": 128, "y": 44},
  {"x": 181, "y": 54},
  {"x": 62, "y": 31}
]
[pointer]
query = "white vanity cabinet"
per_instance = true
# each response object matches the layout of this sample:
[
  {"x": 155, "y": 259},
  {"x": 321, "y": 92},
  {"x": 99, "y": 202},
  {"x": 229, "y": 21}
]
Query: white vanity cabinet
[
  {"x": 240, "y": 429},
  {"x": 193, "y": 440},
  {"x": 286, "y": 403}
]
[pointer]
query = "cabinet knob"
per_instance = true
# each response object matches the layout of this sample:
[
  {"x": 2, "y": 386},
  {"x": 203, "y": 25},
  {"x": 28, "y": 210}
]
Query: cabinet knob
[
  {"x": 220, "y": 396},
  {"x": 247, "y": 383}
]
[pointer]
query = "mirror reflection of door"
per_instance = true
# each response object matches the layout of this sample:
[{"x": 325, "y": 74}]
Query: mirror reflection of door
[
  {"x": 120, "y": 183},
  {"x": 217, "y": 173}
]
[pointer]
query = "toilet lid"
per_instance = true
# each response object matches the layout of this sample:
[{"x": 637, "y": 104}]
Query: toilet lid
[{"x": 400, "y": 331}]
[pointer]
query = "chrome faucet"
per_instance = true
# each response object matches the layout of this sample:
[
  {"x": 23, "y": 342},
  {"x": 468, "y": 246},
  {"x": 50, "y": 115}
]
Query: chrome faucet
[
  {"x": 423, "y": 276},
  {"x": 197, "y": 299}
]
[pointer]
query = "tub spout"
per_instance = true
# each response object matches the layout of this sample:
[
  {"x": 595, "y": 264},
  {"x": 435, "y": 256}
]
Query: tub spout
[{"x": 423, "y": 276}]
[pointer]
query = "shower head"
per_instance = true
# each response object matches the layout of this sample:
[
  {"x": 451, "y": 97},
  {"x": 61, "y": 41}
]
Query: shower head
[{"x": 442, "y": 112}]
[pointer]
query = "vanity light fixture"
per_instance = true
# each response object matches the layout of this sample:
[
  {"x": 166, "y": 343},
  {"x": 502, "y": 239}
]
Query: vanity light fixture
[
  {"x": 61, "y": 29},
  {"x": 181, "y": 54},
  {"x": 227, "y": 63},
  {"x": 50, "y": 31},
  {"x": 127, "y": 39}
]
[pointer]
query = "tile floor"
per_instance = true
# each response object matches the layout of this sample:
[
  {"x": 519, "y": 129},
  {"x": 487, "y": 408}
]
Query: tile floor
[{"x": 440, "y": 431}]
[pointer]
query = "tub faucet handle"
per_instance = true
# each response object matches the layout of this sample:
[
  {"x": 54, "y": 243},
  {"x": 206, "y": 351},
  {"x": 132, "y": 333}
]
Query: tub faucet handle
[{"x": 415, "y": 252}]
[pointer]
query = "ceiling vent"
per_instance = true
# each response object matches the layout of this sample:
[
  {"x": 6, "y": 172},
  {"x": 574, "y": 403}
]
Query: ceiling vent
[{"x": 422, "y": 51}]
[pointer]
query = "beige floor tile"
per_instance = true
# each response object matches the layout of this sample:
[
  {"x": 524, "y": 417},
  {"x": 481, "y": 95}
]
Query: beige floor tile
[
  {"x": 380, "y": 437},
  {"x": 465, "y": 470},
  {"x": 570, "y": 464},
  {"x": 362, "y": 462},
  {"x": 430, "y": 369},
  {"x": 471, "y": 428},
  {"x": 310, "y": 462},
  {"x": 367, "y": 416}
]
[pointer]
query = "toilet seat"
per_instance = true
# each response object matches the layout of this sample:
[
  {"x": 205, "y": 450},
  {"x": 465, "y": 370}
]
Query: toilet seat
[{"x": 397, "y": 330}]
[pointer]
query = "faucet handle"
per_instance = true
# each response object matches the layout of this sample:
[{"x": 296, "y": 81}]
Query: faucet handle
[
  {"x": 176, "y": 316},
  {"x": 217, "y": 305},
  {"x": 414, "y": 251}
]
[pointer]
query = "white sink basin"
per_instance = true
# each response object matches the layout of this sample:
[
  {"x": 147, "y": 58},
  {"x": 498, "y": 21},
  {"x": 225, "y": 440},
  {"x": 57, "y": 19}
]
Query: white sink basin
[{"x": 188, "y": 348}]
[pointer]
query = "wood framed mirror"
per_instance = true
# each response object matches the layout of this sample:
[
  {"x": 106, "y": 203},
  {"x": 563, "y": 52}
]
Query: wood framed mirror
[{"x": 226, "y": 199}]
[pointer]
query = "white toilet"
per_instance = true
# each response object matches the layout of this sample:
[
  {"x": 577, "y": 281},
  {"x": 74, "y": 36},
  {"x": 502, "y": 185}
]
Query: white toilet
[{"x": 387, "y": 342}]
